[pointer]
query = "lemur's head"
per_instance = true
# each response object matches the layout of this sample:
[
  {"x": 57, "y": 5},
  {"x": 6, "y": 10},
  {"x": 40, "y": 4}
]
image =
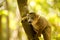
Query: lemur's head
[{"x": 31, "y": 16}]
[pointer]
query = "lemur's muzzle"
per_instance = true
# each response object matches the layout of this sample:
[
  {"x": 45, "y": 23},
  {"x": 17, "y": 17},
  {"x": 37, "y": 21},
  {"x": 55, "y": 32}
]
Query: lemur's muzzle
[{"x": 30, "y": 21}]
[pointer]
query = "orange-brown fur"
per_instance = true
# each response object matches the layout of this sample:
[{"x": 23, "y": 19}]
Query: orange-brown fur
[{"x": 41, "y": 26}]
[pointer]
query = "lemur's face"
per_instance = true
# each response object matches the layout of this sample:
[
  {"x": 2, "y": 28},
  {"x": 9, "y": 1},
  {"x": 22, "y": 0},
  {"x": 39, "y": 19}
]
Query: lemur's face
[{"x": 31, "y": 17}]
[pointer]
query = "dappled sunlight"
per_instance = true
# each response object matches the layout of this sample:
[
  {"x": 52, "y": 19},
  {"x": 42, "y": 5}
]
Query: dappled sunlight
[
  {"x": 11, "y": 27},
  {"x": 32, "y": 3}
]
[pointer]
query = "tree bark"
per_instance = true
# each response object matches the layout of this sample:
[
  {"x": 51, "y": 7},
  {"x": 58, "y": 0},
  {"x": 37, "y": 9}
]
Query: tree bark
[
  {"x": 22, "y": 4},
  {"x": 7, "y": 17},
  {"x": 0, "y": 29},
  {"x": 8, "y": 30}
]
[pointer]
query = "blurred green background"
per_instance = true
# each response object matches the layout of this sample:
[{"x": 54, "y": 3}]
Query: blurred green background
[{"x": 10, "y": 20}]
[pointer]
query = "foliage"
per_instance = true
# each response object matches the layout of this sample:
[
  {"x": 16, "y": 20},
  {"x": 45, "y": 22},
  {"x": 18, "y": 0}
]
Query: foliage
[{"x": 50, "y": 9}]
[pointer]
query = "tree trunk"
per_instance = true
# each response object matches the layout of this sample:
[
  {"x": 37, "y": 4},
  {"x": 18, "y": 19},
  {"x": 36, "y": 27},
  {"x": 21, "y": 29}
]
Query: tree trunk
[
  {"x": 22, "y": 4},
  {"x": 7, "y": 17},
  {"x": 8, "y": 31},
  {"x": 0, "y": 29}
]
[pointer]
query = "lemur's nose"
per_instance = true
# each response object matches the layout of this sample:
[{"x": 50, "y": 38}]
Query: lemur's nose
[{"x": 29, "y": 21}]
